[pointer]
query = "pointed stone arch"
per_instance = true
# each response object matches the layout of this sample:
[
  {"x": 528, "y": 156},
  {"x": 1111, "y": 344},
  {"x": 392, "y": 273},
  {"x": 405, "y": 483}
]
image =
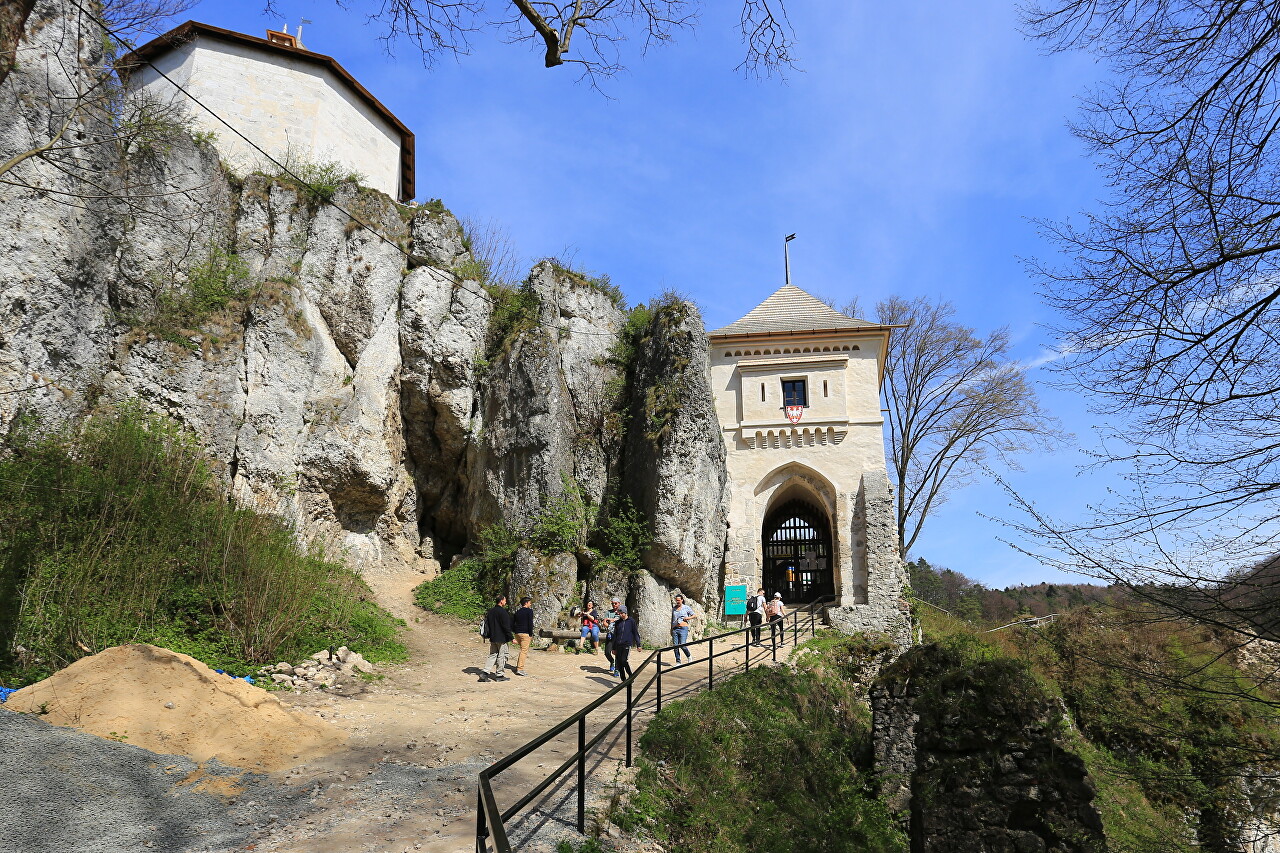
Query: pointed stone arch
[{"x": 799, "y": 537}]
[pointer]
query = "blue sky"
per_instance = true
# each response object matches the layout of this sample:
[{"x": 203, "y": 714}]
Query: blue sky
[{"x": 909, "y": 156}]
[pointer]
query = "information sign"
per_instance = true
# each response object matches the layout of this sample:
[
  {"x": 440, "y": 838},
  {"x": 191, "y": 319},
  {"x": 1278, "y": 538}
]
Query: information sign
[{"x": 735, "y": 600}]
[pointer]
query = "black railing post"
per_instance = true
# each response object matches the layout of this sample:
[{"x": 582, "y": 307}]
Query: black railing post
[
  {"x": 711, "y": 663},
  {"x": 746, "y": 646},
  {"x": 773, "y": 639},
  {"x": 628, "y": 723},
  {"x": 482, "y": 829},
  {"x": 795, "y": 629},
  {"x": 582, "y": 775},
  {"x": 658, "y": 680}
]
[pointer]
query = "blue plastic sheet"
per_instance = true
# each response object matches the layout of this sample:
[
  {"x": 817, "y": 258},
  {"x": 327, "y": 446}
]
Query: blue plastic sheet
[
  {"x": 5, "y": 691},
  {"x": 248, "y": 678}
]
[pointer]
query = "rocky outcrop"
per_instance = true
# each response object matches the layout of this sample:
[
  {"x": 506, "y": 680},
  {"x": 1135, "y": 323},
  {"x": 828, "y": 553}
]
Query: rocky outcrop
[
  {"x": 549, "y": 580},
  {"x": 675, "y": 457},
  {"x": 970, "y": 748},
  {"x": 544, "y": 400}
]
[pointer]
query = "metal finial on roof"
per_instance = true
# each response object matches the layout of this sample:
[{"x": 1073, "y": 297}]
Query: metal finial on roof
[{"x": 786, "y": 255}]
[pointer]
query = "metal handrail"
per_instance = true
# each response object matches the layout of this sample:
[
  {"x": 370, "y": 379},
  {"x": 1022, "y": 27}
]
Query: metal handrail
[{"x": 491, "y": 821}]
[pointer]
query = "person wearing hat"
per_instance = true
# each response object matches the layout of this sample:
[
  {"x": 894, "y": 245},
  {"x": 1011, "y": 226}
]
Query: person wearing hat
[
  {"x": 625, "y": 635},
  {"x": 774, "y": 611}
]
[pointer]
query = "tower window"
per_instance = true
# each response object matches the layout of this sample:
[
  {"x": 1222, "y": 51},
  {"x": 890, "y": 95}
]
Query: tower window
[
  {"x": 824, "y": 387},
  {"x": 794, "y": 392},
  {"x": 761, "y": 392}
]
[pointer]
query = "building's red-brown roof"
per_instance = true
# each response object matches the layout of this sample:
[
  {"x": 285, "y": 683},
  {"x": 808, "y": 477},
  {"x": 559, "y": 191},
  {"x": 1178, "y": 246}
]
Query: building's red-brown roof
[{"x": 179, "y": 36}]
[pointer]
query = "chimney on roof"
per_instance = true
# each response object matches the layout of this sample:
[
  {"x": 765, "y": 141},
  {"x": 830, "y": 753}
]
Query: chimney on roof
[{"x": 282, "y": 37}]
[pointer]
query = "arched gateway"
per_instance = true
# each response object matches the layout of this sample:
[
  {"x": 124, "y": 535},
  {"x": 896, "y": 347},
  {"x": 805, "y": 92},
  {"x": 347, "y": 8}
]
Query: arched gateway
[
  {"x": 797, "y": 552},
  {"x": 797, "y": 393}
]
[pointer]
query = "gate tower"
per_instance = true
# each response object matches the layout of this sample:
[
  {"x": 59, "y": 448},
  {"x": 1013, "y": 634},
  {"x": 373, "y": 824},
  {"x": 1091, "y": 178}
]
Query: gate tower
[{"x": 797, "y": 392}]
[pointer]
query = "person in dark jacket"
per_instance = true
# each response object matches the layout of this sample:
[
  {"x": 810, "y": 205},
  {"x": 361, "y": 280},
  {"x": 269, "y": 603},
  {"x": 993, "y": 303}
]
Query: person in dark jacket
[
  {"x": 523, "y": 624},
  {"x": 500, "y": 631},
  {"x": 625, "y": 635},
  {"x": 610, "y": 620}
]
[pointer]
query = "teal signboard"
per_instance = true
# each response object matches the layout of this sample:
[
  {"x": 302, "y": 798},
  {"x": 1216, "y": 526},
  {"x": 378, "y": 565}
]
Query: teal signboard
[{"x": 735, "y": 600}]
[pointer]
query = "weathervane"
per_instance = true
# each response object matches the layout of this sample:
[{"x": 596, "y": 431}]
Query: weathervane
[{"x": 786, "y": 255}]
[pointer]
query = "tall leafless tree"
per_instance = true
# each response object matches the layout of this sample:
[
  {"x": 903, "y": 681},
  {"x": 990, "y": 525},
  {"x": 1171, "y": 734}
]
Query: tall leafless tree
[
  {"x": 1170, "y": 294},
  {"x": 587, "y": 34},
  {"x": 953, "y": 401}
]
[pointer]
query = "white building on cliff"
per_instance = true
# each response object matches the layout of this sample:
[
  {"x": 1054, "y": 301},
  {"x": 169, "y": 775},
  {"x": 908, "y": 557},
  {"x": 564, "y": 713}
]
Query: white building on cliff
[
  {"x": 797, "y": 393},
  {"x": 293, "y": 104}
]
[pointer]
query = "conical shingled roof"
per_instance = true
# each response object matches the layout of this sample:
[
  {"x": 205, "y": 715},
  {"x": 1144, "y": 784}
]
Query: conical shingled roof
[{"x": 790, "y": 309}]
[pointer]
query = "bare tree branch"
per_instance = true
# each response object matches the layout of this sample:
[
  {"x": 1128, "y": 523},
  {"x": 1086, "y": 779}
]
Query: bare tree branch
[{"x": 588, "y": 34}]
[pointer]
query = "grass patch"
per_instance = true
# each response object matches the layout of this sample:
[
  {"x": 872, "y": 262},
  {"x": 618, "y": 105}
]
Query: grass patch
[
  {"x": 212, "y": 284},
  {"x": 767, "y": 762},
  {"x": 114, "y": 530},
  {"x": 515, "y": 312},
  {"x": 601, "y": 283}
]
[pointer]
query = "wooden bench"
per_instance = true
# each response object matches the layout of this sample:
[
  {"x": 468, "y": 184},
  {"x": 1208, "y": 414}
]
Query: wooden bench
[{"x": 564, "y": 636}]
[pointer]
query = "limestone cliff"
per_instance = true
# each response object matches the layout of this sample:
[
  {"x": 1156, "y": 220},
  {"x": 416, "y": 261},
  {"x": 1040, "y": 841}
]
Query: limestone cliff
[{"x": 326, "y": 344}]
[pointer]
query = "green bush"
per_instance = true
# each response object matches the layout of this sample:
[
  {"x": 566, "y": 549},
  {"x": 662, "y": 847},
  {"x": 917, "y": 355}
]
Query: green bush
[
  {"x": 114, "y": 530},
  {"x": 319, "y": 181},
  {"x": 515, "y": 311},
  {"x": 767, "y": 762},
  {"x": 454, "y": 592},
  {"x": 212, "y": 284}
]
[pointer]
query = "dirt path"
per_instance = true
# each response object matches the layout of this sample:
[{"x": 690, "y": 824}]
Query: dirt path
[{"x": 419, "y": 736}]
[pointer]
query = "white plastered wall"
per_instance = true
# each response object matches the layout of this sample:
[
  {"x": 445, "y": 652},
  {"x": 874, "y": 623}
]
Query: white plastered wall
[{"x": 287, "y": 106}]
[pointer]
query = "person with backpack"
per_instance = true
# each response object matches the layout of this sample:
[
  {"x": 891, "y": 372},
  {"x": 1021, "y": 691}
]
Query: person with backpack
[
  {"x": 499, "y": 631},
  {"x": 625, "y": 635},
  {"x": 522, "y": 622},
  {"x": 755, "y": 614},
  {"x": 775, "y": 612}
]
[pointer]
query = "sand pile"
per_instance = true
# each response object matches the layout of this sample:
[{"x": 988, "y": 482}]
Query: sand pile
[{"x": 173, "y": 704}]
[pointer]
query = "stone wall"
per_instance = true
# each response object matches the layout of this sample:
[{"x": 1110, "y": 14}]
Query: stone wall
[{"x": 969, "y": 752}]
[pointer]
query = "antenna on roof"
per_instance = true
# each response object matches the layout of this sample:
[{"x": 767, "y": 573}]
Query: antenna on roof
[
  {"x": 298, "y": 35},
  {"x": 786, "y": 255}
]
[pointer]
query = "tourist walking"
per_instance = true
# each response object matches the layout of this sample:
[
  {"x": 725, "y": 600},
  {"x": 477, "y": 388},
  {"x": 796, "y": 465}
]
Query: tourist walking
[
  {"x": 522, "y": 623},
  {"x": 755, "y": 614},
  {"x": 499, "y": 631},
  {"x": 681, "y": 613},
  {"x": 775, "y": 611},
  {"x": 610, "y": 619},
  {"x": 625, "y": 635},
  {"x": 591, "y": 625}
]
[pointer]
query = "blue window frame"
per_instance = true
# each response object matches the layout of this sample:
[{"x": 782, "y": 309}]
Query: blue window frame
[{"x": 795, "y": 392}]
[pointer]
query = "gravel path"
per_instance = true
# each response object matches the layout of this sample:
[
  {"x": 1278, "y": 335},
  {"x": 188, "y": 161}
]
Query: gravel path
[{"x": 69, "y": 791}]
